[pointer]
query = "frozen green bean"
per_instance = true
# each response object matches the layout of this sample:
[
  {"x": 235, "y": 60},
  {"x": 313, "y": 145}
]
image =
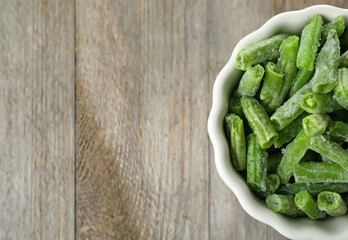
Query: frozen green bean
[
  {"x": 313, "y": 188},
  {"x": 305, "y": 202},
  {"x": 259, "y": 122},
  {"x": 344, "y": 60},
  {"x": 315, "y": 124},
  {"x": 235, "y": 132},
  {"x": 283, "y": 204},
  {"x": 338, "y": 131},
  {"x": 256, "y": 164},
  {"x": 293, "y": 154},
  {"x": 331, "y": 203},
  {"x": 314, "y": 172},
  {"x": 290, "y": 131},
  {"x": 309, "y": 43},
  {"x": 290, "y": 110},
  {"x": 325, "y": 75},
  {"x": 324, "y": 146},
  {"x": 260, "y": 52},
  {"x": 287, "y": 64},
  {"x": 319, "y": 103},
  {"x": 234, "y": 105},
  {"x": 272, "y": 82},
  {"x": 337, "y": 24},
  {"x": 302, "y": 77},
  {"x": 250, "y": 81},
  {"x": 272, "y": 184},
  {"x": 341, "y": 89}
]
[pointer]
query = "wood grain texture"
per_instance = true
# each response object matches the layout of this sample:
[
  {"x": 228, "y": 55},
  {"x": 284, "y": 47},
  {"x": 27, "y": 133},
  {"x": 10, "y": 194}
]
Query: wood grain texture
[
  {"x": 145, "y": 71},
  {"x": 142, "y": 146},
  {"x": 37, "y": 119}
]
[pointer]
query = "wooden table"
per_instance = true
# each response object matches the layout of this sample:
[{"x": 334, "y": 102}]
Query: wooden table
[{"x": 103, "y": 112}]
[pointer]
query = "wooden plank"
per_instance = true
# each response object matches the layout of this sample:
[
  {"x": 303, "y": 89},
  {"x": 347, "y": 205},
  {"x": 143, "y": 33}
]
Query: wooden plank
[
  {"x": 142, "y": 147},
  {"x": 37, "y": 119}
]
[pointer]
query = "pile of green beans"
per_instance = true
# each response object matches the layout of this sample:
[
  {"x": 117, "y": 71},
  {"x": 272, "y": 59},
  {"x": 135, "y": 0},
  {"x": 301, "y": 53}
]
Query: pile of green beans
[{"x": 287, "y": 121}]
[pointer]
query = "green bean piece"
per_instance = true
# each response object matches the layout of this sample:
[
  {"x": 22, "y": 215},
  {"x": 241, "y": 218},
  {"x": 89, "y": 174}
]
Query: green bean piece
[
  {"x": 272, "y": 81},
  {"x": 302, "y": 77},
  {"x": 338, "y": 131},
  {"x": 256, "y": 164},
  {"x": 287, "y": 64},
  {"x": 341, "y": 89},
  {"x": 319, "y": 103},
  {"x": 234, "y": 105},
  {"x": 259, "y": 122},
  {"x": 315, "y": 124},
  {"x": 337, "y": 24},
  {"x": 272, "y": 184},
  {"x": 290, "y": 110},
  {"x": 260, "y": 52},
  {"x": 290, "y": 131},
  {"x": 325, "y": 75},
  {"x": 331, "y": 203},
  {"x": 283, "y": 204},
  {"x": 344, "y": 60},
  {"x": 313, "y": 188},
  {"x": 315, "y": 172},
  {"x": 235, "y": 132},
  {"x": 250, "y": 81},
  {"x": 324, "y": 146},
  {"x": 326, "y": 159},
  {"x": 305, "y": 202},
  {"x": 294, "y": 152},
  {"x": 273, "y": 162},
  {"x": 309, "y": 43}
]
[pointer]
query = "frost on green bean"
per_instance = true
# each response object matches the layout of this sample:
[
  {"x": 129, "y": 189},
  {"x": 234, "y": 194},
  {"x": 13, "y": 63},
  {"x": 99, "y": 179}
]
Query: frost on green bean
[
  {"x": 309, "y": 43},
  {"x": 332, "y": 203},
  {"x": 283, "y": 204},
  {"x": 291, "y": 109},
  {"x": 314, "y": 172},
  {"x": 315, "y": 124},
  {"x": 325, "y": 75},
  {"x": 260, "y": 52},
  {"x": 294, "y": 152},
  {"x": 332, "y": 150},
  {"x": 319, "y": 103},
  {"x": 337, "y": 24},
  {"x": 341, "y": 89}
]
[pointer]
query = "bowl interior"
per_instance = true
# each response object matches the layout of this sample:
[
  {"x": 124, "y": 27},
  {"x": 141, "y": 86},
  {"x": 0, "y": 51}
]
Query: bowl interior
[{"x": 292, "y": 23}]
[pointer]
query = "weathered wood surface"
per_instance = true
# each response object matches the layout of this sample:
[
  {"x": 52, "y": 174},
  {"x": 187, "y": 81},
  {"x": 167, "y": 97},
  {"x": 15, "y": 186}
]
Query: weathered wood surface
[
  {"x": 143, "y": 73},
  {"x": 37, "y": 119}
]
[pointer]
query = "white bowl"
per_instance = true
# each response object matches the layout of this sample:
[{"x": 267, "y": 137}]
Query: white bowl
[{"x": 287, "y": 22}]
